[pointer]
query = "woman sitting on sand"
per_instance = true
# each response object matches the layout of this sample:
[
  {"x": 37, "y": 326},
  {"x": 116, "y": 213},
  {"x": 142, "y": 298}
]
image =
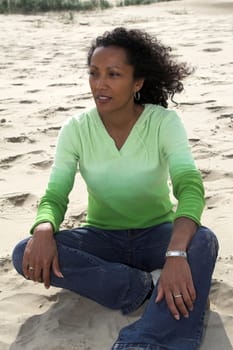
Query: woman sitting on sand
[{"x": 125, "y": 149}]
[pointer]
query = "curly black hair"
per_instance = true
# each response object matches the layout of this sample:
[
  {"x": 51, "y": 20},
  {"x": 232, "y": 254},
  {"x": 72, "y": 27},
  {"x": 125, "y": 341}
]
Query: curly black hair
[{"x": 151, "y": 60}]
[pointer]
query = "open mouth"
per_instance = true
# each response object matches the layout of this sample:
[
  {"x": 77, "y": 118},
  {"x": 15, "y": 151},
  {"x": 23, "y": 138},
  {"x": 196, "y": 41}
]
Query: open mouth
[{"x": 103, "y": 99}]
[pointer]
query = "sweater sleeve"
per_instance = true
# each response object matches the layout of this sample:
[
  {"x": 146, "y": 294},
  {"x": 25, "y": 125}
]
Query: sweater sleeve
[
  {"x": 53, "y": 204},
  {"x": 185, "y": 177}
]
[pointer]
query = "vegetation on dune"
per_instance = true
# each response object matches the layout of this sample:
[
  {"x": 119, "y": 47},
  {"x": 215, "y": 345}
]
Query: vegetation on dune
[
  {"x": 32, "y": 6},
  {"x": 51, "y": 5},
  {"x": 138, "y": 2}
]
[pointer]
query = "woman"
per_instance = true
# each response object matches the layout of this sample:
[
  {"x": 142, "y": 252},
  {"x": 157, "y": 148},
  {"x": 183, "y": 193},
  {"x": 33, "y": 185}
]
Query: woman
[{"x": 125, "y": 148}]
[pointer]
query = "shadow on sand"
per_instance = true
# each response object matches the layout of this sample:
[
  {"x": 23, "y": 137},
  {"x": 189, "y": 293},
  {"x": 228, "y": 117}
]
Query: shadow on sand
[{"x": 76, "y": 323}]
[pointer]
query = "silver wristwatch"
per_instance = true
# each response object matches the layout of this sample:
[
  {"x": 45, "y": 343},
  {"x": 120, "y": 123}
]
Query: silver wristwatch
[{"x": 178, "y": 253}]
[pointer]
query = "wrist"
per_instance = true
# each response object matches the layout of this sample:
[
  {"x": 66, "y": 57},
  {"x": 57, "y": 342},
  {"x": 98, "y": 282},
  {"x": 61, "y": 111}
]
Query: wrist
[{"x": 43, "y": 228}]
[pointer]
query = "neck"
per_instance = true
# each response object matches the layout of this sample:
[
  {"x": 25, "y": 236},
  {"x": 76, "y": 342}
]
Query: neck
[{"x": 121, "y": 119}]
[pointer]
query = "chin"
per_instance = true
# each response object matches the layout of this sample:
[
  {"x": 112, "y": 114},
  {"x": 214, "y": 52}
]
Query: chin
[{"x": 103, "y": 109}]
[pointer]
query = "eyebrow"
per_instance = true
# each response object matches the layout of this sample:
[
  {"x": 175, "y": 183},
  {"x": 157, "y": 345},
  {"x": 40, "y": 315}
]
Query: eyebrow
[{"x": 110, "y": 67}]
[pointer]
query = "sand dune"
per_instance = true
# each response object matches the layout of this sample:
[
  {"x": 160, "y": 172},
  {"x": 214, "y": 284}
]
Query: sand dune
[
  {"x": 210, "y": 6},
  {"x": 44, "y": 81}
]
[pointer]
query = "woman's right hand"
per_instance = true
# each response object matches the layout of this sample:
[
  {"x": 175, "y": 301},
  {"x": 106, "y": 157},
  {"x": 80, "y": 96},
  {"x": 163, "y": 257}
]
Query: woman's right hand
[{"x": 40, "y": 255}]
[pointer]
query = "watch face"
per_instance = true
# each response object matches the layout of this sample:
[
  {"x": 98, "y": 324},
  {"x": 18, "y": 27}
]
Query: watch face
[{"x": 178, "y": 253}]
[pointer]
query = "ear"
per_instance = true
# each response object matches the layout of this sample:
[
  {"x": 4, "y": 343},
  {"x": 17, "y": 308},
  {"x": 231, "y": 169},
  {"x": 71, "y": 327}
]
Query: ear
[{"x": 139, "y": 84}]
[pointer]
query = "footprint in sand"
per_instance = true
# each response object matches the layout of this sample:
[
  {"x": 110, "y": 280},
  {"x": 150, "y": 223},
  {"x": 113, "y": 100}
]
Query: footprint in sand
[
  {"x": 5, "y": 264},
  {"x": 211, "y": 175},
  {"x": 19, "y": 139},
  {"x": 52, "y": 131},
  {"x": 225, "y": 116},
  {"x": 215, "y": 42},
  {"x": 20, "y": 77},
  {"x": 62, "y": 109},
  {"x": 44, "y": 164},
  {"x": 28, "y": 101},
  {"x": 226, "y": 64},
  {"x": 212, "y": 201},
  {"x": 62, "y": 84},
  {"x": 226, "y": 119},
  {"x": 203, "y": 153},
  {"x": 5, "y": 163},
  {"x": 194, "y": 140},
  {"x": 17, "y": 84},
  {"x": 215, "y": 108},
  {"x": 18, "y": 199},
  {"x": 188, "y": 44},
  {"x": 74, "y": 220},
  {"x": 222, "y": 294},
  {"x": 33, "y": 91},
  {"x": 229, "y": 155},
  {"x": 212, "y": 49}
]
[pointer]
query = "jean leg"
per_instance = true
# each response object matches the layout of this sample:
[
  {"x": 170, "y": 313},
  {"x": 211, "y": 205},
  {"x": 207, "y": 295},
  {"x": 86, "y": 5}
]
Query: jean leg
[
  {"x": 111, "y": 284},
  {"x": 150, "y": 245},
  {"x": 157, "y": 329}
]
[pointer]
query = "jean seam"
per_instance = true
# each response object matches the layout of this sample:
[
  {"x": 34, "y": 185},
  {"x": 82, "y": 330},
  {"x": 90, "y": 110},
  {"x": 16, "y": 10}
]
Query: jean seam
[
  {"x": 141, "y": 297},
  {"x": 136, "y": 346}
]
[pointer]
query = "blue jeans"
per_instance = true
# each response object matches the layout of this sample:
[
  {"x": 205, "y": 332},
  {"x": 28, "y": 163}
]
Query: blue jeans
[{"x": 113, "y": 268}]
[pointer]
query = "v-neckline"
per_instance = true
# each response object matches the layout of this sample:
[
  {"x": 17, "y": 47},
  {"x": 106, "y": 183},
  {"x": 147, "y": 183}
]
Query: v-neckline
[{"x": 109, "y": 138}]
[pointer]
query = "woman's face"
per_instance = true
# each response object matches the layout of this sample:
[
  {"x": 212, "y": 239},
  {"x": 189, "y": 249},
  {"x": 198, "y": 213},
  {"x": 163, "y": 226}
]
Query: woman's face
[{"x": 111, "y": 80}]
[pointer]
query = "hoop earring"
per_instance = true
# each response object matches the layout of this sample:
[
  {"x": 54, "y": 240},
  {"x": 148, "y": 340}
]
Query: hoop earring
[{"x": 137, "y": 96}]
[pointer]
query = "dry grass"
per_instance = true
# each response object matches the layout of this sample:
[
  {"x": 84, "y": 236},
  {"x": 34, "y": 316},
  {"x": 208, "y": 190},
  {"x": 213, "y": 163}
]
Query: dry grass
[{"x": 33, "y": 6}]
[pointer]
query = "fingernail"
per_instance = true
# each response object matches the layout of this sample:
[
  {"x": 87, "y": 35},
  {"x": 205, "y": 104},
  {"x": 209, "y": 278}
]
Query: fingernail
[
  {"x": 186, "y": 316},
  {"x": 177, "y": 317}
]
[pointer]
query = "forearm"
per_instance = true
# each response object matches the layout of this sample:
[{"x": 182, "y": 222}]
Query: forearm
[
  {"x": 183, "y": 231},
  {"x": 176, "y": 283}
]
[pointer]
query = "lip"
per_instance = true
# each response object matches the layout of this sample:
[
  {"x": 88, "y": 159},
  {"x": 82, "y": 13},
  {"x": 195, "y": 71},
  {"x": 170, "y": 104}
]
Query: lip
[{"x": 103, "y": 98}]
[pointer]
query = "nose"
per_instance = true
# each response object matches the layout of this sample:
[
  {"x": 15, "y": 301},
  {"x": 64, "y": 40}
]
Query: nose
[{"x": 101, "y": 82}]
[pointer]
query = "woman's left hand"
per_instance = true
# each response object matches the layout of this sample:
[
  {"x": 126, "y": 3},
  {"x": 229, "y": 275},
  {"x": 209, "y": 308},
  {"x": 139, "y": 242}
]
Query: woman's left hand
[{"x": 176, "y": 285}]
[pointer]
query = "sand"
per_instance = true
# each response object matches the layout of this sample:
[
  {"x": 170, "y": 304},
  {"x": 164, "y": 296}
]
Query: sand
[{"x": 43, "y": 81}]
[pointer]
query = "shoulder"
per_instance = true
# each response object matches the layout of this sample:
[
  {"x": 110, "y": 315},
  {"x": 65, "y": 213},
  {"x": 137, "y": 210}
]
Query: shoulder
[
  {"x": 79, "y": 121},
  {"x": 166, "y": 123},
  {"x": 82, "y": 118},
  {"x": 161, "y": 115},
  {"x": 76, "y": 127},
  {"x": 75, "y": 130}
]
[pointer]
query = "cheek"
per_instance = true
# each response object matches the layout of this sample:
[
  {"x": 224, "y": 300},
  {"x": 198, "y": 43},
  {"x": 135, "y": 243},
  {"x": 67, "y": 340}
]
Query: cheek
[{"x": 129, "y": 89}]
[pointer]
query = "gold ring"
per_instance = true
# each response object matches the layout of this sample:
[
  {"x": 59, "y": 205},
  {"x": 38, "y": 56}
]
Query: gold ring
[{"x": 177, "y": 296}]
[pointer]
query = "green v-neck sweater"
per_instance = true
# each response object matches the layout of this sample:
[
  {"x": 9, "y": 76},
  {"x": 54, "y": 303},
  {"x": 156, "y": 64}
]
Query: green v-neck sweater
[{"x": 127, "y": 188}]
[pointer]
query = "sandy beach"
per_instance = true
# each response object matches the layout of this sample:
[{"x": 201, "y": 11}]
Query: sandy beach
[{"x": 44, "y": 81}]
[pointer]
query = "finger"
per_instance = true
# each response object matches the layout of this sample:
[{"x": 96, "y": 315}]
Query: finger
[
  {"x": 46, "y": 276},
  {"x": 187, "y": 299},
  {"x": 56, "y": 269},
  {"x": 25, "y": 267},
  {"x": 192, "y": 292},
  {"x": 37, "y": 273},
  {"x": 25, "y": 263},
  {"x": 171, "y": 305},
  {"x": 160, "y": 294},
  {"x": 31, "y": 271},
  {"x": 180, "y": 305}
]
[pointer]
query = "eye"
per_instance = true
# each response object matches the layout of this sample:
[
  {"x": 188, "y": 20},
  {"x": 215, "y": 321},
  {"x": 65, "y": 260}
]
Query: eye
[
  {"x": 114, "y": 74},
  {"x": 92, "y": 73}
]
